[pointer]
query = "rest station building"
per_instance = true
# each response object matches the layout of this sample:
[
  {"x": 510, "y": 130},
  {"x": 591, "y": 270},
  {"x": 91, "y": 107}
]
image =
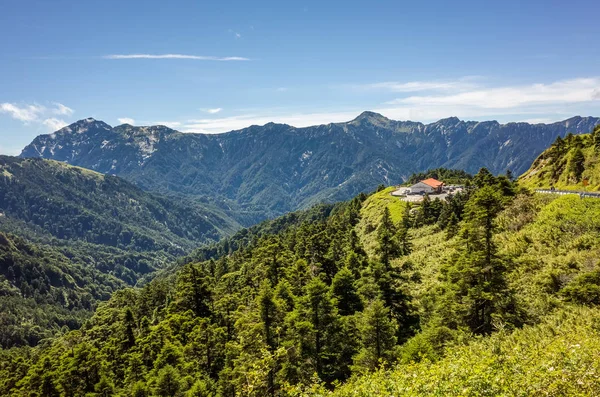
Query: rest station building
[{"x": 429, "y": 186}]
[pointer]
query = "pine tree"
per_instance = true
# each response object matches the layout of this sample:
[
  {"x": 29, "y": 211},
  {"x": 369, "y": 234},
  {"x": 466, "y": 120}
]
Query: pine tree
[
  {"x": 484, "y": 178},
  {"x": 168, "y": 383},
  {"x": 403, "y": 240},
  {"x": 576, "y": 164},
  {"x": 140, "y": 390},
  {"x": 476, "y": 274},
  {"x": 268, "y": 316},
  {"x": 193, "y": 291},
  {"x": 202, "y": 388},
  {"x": 128, "y": 329},
  {"x": 344, "y": 290},
  {"x": 509, "y": 175},
  {"x": 596, "y": 136},
  {"x": 105, "y": 388},
  {"x": 386, "y": 238},
  {"x": 323, "y": 339},
  {"x": 452, "y": 226},
  {"x": 378, "y": 338}
]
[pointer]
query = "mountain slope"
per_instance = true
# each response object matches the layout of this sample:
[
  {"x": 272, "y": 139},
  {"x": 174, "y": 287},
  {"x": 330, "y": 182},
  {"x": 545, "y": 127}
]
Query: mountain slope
[
  {"x": 43, "y": 292},
  {"x": 73, "y": 203},
  {"x": 74, "y": 236},
  {"x": 305, "y": 307},
  {"x": 572, "y": 163},
  {"x": 265, "y": 171}
]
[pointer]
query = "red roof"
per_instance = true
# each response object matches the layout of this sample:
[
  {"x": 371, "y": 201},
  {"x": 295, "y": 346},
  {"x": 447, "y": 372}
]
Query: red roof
[{"x": 434, "y": 183}]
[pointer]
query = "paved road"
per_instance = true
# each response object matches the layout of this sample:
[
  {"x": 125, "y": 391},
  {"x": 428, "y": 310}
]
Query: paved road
[{"x": 561, "y": 192}]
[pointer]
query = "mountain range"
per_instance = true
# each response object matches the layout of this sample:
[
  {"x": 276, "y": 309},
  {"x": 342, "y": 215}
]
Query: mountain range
[{"x": 264, "y": 171}]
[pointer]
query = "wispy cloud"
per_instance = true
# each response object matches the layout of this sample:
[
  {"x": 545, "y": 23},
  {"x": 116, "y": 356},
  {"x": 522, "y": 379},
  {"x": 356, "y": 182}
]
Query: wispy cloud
[
  {"x": 468, "y": 98},
  {"x": 62, "y": 110},
  {"x": 464, "y": 83},
  {"x": 39, "y": 114},
  {"x": 25, "y": 113},
  {"x": 212, "y": 111},
  {"x": 224, "y": 124},
  {"x": 560, "y": 92},
  {"x": 174, "y": 56},
  {"x": 54, "y": 124},
  {"x": 170, "y": 124},
  {"x": 126, "y": 120}
]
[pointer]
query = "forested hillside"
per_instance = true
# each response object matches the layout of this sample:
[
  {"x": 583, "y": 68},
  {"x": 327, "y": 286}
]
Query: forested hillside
[
  {"x": 76, "y": 204},
  {"x": 265, "y": 171},
  {"x": 43, "y": 292},
  {"x": 75, "y": 236},
  {"x": 469, "y": 296},
  {"x": 572, "y": 163}
]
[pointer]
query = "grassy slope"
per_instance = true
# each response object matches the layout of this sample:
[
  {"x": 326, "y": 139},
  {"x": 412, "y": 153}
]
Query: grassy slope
[
  {"x": 556, "y": 358},
  {"x": 548, "y": 241},
  {"x": 371, "y": 213},
  {"x": 540, "y": 173}
]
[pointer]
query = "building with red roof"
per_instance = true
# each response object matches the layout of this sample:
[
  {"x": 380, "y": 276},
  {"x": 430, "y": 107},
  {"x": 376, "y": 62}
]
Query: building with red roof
[{"x": 430, "y": 186}]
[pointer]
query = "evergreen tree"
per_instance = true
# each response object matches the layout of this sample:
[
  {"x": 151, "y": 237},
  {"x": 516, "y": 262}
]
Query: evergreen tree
[
  {"x": 344, "y": 290},
  {"x": 509, "y": 175},
  {"x": 378, "y": 338},
  {"x": 268, "y": 316},
  {"x": 105, "y": 388},
  {"x": 140, "y": 390},
  {"x": 202, "y": 388},
  {"x": 403, "y": 241},
  {"x": 477, "y": 273},
  {"x": 128, "y": 329},
  {"x": 193, "y": 291},
  {"x": 577, "y": 164},
  {"x": 168, "y": 383},
  {"x": 452, "y": 226},
  {"x": 484, "y": 178},
  {"x": 596, "y": 136},
  {"x": 386, "y": 238},
  {"x": 323, "y": 340}
]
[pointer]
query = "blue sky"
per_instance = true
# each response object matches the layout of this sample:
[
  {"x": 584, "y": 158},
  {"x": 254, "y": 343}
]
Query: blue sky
[{"x": 216, "y": 66}]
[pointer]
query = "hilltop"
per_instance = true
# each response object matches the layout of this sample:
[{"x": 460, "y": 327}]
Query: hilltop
[{"x": 572, "y": 163}]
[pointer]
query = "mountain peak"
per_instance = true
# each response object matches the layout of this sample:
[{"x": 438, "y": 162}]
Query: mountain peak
[
  {"x": 370, "y": 116},
  {"x": 449, "y": 121},
  {"x": 84, "y": 125}
]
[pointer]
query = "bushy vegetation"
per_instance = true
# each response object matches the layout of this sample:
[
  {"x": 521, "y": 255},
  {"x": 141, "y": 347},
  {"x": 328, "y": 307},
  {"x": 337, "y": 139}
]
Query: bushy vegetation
[
  {"x": 558, "y": 357},
  {"x": 72, "y": 203},
  {"x": 491, "y": 292},
  {"x": 571, "y": 163},
  {"x": 81, "y": 236}
]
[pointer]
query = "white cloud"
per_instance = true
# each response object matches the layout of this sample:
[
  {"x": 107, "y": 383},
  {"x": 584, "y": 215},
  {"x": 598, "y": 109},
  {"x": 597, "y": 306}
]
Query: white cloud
[
  {"x": 535, "y": 103},
  {"x": 462, "y": 84},
  {"x": 126, "y": 120},
  {"x": 54, "y": 124},
  {"x": 62, "y": 110},
  {"x": 25, "y": 113},
  {"x": 213, "y": 126},
  {"x": 170, "y": 124},
  {"x": 174, "y": 56},
  {"x": 213, "y": 110},
  {"x": 560, "y": 92},
  {"x": 238, "y": 36},
  {"x": 38, "y": 114}
]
